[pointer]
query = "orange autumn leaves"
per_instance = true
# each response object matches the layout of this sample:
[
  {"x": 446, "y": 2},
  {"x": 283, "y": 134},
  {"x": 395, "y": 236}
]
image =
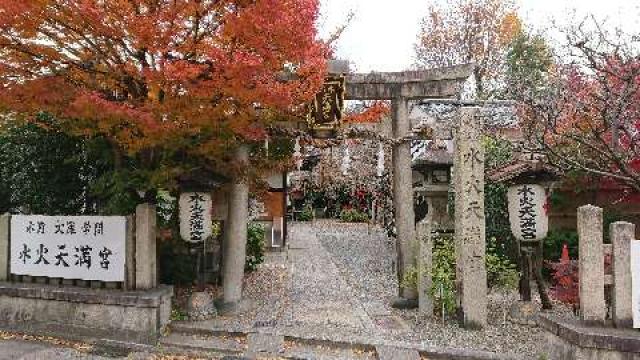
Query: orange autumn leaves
[{"x": 150, "y": 72}]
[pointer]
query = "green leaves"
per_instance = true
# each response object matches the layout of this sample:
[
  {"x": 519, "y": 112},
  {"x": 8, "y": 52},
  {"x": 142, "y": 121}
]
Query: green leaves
[{"x": 255, "y": 246}]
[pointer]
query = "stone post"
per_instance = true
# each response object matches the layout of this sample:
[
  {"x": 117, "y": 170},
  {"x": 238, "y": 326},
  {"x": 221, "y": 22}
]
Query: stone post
[
  {"x": 403, "y": 194},
  {"x": 145, "y": 259},
  {"x": 471, "y": 280},
  {"x": 622, "y": 233},
  {"x": 591, "y": 263},
  {"x": 425, "y": 261},
  {"x": 236, "y": 236},
  {"x": 4, "y": 247}
]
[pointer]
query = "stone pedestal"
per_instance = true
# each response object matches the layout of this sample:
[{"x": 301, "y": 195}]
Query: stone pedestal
[
  {"x": 86, "y": 314},
  {"x": 201, "y": 306},
  {"x": 235, "y": 246},
  {"x": 591, "y": 264},
  {"x": 471, "y": 279},
  {"x": 622, "y": 233},
  {"x": 403, "y": 193}
]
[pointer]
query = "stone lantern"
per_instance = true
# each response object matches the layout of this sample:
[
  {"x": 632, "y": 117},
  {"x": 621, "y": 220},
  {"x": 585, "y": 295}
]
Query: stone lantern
[
  {"x": 431, "y": 181},
  {"x": 529, "y": 180}
]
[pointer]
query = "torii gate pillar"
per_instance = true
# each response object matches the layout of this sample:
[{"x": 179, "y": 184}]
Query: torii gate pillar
[{"x": 403, "y": 194}]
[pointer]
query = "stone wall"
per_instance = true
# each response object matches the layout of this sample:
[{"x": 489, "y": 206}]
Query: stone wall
[
  {"x": 87, "y": 314},
  {"x": 568, "y": 340}
]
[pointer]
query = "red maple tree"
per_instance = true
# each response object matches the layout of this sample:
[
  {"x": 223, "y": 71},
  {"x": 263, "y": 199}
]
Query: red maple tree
[{"x": 196, "y": 75}]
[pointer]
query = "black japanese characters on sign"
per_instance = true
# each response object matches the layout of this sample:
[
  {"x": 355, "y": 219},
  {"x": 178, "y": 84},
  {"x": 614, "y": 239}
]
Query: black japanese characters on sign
[
  {"x": 72, "y": 247},
  {"x": 325, "y": 111}
]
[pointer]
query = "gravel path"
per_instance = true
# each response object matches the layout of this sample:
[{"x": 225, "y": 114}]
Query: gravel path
[
  {"x": 336, "y": 281},
  {"x": 320, "y": 294}
]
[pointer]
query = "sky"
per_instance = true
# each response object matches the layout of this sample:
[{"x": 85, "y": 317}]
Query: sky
[{"x": 381, "y": 36}]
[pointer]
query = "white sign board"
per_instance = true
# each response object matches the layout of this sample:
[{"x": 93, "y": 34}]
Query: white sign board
[
  {"x": 528, "y": 212},
  {"x": 195, "y": 216},
  {"x": 635, "y": 282},
  {"x": 69, "y": 247}
]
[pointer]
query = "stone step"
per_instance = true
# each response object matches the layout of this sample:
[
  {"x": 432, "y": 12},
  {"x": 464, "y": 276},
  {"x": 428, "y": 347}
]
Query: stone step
[
  {"x": 203, "y": 343},
  {"x": 395, "y": 353},
  {"x": 203, "y": 338}
]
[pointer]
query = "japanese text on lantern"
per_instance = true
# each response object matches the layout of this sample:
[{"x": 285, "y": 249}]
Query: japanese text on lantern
[
  {"x": 195, "y": 216},
  {"x": 69, "y": 247},
  {"x": 528, "y": 212}
]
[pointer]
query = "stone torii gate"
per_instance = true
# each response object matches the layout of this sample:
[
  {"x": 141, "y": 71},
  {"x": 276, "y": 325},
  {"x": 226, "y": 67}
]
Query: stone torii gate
[
  {"x": 443, "y": 83},
  {"x": 400, "y": 88}
]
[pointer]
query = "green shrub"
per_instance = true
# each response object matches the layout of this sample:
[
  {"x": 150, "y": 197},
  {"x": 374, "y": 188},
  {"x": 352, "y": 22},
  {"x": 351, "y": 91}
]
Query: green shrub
[
  {"x": 501, "y": 272},
  {"x": 410, "y": 279},
  {"x": 354, "y": 216},
  {"x": 255, "y": 246},
  {"x": 178, "y": 314},
  {"x": 306, "y": 214},
  {"x": 443, "y": 274}
]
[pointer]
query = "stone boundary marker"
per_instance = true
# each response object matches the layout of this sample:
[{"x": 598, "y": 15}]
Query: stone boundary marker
[
  {"x": 593, "y": 336},
  {"x": 591, "y": 261}
]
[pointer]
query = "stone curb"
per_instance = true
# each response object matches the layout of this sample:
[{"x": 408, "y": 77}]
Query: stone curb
[
  {"x": 431, "y": 352},
  {"x": 588, "y": 336}
]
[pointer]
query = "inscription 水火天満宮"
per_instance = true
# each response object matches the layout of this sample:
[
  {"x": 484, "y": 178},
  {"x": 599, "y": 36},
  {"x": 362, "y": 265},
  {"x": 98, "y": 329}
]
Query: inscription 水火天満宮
[
  {"x": 69, "y": 247},
  {"x": 195, "y": 216},
  {"x": 528, "y": 212}
]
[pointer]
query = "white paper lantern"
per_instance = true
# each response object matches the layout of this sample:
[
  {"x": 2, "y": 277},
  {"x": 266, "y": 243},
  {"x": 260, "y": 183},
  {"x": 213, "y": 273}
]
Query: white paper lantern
[
  {"x": 528, "y": 212},
  {"x": 195, "y": 216}
]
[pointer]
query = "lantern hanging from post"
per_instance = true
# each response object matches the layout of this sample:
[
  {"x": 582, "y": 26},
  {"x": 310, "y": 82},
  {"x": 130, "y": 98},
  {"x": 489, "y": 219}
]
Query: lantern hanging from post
[
  {"x": 528, "y": 212},
  {"x": 528, "y": 178},
  {"x": 195, "y": 216}
]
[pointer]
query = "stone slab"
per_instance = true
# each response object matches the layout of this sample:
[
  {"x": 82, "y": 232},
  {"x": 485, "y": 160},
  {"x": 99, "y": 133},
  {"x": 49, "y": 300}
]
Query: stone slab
[
  {"x": 16, "y": 349},
  {"x": 265, "y": 343},
  {"x": 151, "y": 298},
  {"x": 229, "y": 345},
  {"x": 394, "y": 353}
]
